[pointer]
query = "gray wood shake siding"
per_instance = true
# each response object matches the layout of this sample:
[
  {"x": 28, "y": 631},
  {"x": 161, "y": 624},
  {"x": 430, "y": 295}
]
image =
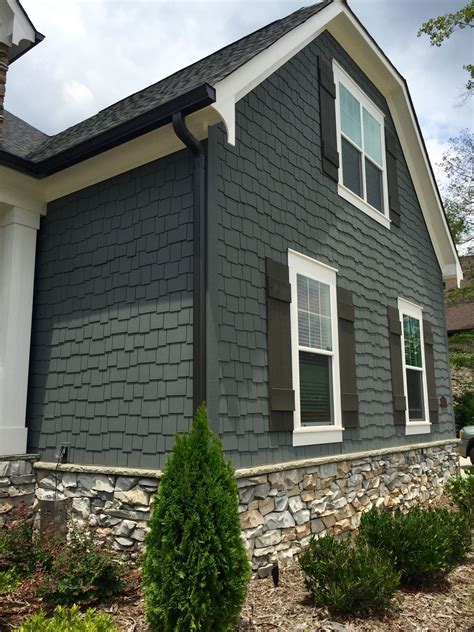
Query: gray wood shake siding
[
  {"x": 111, "y": 359},
  {"x": 270, "y": 195},
  {"x": 111, "y": 355}
]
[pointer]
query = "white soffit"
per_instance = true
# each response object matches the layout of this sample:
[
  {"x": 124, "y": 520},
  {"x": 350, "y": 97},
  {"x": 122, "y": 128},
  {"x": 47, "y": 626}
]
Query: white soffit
[{"x": 347, "y": 30}]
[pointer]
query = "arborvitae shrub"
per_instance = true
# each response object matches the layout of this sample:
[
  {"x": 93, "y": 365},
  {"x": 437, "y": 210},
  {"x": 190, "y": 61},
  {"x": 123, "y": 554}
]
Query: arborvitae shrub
[
  {"x": 347, "y": 578},
  {"x": 195, "y": 569},
  {"x": 423, "y": 544}
]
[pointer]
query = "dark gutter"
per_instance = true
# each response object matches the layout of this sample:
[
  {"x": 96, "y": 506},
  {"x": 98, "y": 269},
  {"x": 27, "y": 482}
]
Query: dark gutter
[
  {"x": 191, "y": 101},
  {"x": 199, "y": 258}
]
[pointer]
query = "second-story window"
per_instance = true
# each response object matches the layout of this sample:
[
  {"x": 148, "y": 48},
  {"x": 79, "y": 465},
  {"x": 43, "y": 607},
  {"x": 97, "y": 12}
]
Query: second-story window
[{"x": 361, "y": 146}]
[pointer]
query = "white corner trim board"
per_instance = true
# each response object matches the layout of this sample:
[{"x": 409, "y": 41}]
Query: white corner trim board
[{"x": 17, "y": 266}]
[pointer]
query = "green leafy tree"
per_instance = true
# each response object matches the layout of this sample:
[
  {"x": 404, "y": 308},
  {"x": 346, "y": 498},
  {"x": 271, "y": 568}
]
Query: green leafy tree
[
  {"x": 195, "y": 569},
  {"x": 458, "y": 192},
  {"x": 442, "y": 27}
]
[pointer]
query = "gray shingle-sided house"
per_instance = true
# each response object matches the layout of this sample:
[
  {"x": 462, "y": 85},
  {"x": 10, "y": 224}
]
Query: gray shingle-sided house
[{"x": 261, "y": 230}]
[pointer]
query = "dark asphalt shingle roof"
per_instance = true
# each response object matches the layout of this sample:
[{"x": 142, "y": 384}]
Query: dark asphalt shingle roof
[
  {"x": 21, "y": 138},
  {"x": 211, "y": 69}
]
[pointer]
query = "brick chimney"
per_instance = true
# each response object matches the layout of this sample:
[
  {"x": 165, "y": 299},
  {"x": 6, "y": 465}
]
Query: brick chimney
[{"x": 3, "y": 81}]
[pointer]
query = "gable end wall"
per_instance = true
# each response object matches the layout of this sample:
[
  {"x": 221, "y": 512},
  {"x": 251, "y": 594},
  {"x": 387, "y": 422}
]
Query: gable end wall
[{"x": 270, "y": 195}]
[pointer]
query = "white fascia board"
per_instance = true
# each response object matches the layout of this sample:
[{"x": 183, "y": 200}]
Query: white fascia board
[
  {"x": 346, "y": 29},
  {"x": 247, "y": 77}
]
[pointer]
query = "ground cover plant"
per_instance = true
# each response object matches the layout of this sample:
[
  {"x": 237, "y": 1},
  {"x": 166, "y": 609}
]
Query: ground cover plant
[
  {"x": 195, "y": 569},
  {"x": 348, "y": 577},
  {"x": 68, "y": 620},
  {"x": 424, "y": 545}
]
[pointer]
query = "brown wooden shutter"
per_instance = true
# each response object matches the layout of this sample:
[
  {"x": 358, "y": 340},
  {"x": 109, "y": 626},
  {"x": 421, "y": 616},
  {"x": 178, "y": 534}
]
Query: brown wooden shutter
[
  {"x": 395, "y": 343},
  {"x": 280, "y": 381},
  {"x": 347, "y": 361},
  {"x": 327, "y": 112},
  {"x": 430, "y": 372},
  {"x": 391, "y": 150}
]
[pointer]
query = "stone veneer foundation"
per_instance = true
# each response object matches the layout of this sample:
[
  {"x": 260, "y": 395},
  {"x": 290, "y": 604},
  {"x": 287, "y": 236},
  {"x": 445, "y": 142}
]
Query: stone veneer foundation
[
  {"x": 17, "y": 483},
  {"x": 281, "y": 506}
]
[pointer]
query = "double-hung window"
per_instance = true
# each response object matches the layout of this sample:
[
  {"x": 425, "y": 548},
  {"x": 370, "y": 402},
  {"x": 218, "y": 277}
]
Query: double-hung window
[
  {"x": 361, "y": 146},
  {"x": 315, "y": 351},
  {"x": 414, "y": 368}
]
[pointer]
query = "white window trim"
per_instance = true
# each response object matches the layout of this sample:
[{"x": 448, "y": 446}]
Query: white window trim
[
  {"x": 340, "y": 76},
  {"x": 419, "y": 426},
  {"x": 309, "y": 435}
]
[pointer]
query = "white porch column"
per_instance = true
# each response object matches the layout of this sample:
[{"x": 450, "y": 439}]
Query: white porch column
[{"x": 17, "y": 265}]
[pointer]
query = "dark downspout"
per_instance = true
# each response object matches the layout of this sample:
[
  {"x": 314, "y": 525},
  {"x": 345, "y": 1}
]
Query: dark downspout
[{"x": 199, "y": 257}]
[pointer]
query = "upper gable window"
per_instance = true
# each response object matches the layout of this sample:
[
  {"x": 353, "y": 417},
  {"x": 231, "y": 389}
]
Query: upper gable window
[{"x": 361, "y": 146}]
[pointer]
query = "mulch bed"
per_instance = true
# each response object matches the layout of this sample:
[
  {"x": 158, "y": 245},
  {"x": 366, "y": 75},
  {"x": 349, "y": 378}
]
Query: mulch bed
[
  {"x": 448, "y": 607},
  {"x": 288, "y": 608}
]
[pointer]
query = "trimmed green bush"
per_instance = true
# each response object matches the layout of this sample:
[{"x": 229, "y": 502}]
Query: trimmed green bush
[
  {"x": 423, "y": 544},
  {"x": 347, "y": 578},
  {"x": 70, "y": 620},
  {"x": 195, "y": 569},
  {"x": 80, "y": 570},
  {"x": 461, "y": 492}
]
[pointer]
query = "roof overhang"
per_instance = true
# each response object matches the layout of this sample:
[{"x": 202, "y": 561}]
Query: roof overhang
[
  {"x": 16, "y": 29},
  {"x": 340, "y": 21}
]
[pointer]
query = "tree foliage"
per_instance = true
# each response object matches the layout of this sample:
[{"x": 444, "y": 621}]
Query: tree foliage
[
  {"x": 458, "y": 192},
  {"x": 442, "y": 27},
  {"x": 195, "y": 568}
]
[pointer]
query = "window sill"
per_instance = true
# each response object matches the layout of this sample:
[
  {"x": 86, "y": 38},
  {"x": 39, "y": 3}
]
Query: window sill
[
  {"x": 420, "y": 427},
  {"x": 315, "y": 436},
  {"x": 355, "y": 200}
]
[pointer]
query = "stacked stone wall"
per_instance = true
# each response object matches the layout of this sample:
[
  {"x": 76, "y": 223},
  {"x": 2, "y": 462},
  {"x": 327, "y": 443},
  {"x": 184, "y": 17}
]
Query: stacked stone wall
[
  {"x": 281, "y": 506},
  {"x": 17, "y": 483}
]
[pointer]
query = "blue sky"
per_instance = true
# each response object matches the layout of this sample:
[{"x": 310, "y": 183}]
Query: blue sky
[{"x": 99, "y": 51}]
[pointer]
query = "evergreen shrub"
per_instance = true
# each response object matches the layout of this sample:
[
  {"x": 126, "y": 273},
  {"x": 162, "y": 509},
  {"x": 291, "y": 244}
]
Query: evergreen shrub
[
  {"x": 195, "y": 569},
  {"x": 424, "y": 545},
  {"x": 348, "y": 578},
  {"x": 461, "y": 492}
]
